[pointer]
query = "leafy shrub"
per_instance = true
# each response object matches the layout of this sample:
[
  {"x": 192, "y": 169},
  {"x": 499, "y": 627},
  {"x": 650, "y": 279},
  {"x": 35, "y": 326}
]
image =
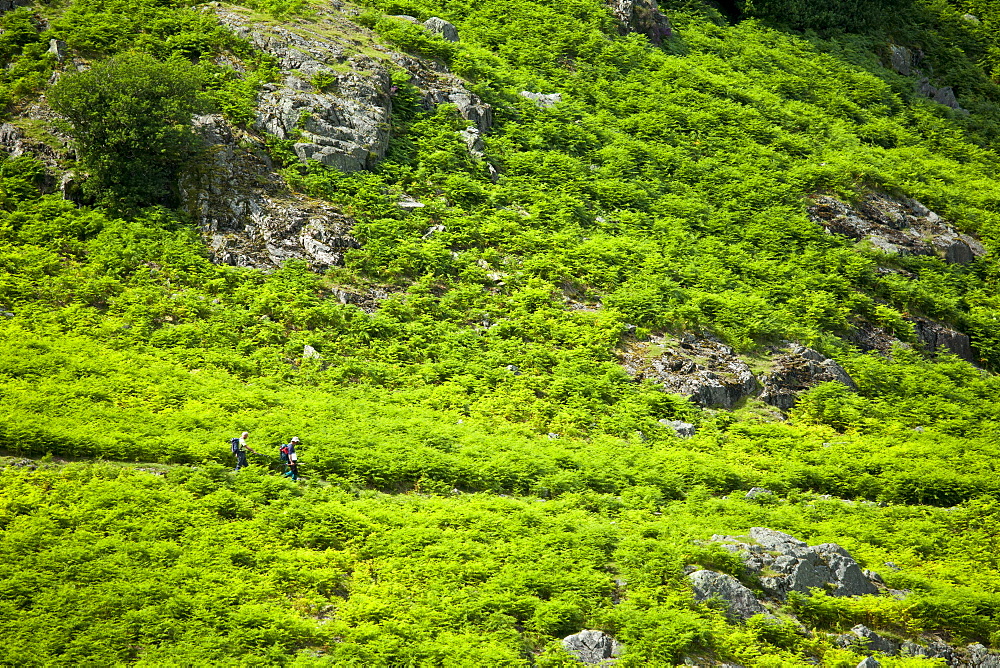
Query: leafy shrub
[{"x": 131, "y": 118}]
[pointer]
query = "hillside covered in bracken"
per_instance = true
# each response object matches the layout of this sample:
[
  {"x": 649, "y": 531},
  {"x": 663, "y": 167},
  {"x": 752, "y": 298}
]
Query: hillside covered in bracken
[{"x": 611, "y": 332}]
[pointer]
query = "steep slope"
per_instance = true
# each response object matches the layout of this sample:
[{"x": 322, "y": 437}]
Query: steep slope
[{"x": 545, "y": 288}]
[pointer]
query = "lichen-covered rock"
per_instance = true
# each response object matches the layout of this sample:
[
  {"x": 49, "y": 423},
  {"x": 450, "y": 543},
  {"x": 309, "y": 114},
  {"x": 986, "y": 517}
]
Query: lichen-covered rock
[
  {"x": 757, "y": 492},
  {"x": 334, "y": 100},
  {"x": 707, "y": 371},
  {"x": 439, "y": 26},
  {"x": 895, "y": 226},
  {"x": 934, "y": 650},
  {"x": 542, "y": 100},
  {"x": 592, "y": 647},
  {"x": 679, "y": 427},
  {"x": 643, "y": 17},
  {"x": 796, "y": 370},
  {"x": 863, "y": 638},
  {"x": 246, "y": 213},
  {"x": 975, "y": 656},
  {"x": 740, "y": 601},
  {"x": 786, "y": 564}
]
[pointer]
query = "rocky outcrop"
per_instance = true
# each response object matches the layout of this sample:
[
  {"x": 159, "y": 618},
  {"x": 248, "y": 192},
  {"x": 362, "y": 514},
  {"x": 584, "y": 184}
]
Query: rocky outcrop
[
  {"x": 907, "y": 62},
  {"x": 679, "y": 427},
  {"x": 784, "y": 564},
  {"x": 796, "y": 370},
  {"x": 895, "y": 226},
  {"x": 713, "y": 375},
  {"x": 15, "y": 142},
  {"x": 11, "y": 5},
  {"x": 246, "y": 213},
  {"x": 334, "y": 101},
  {"x": 592, "y": 647},
  {"x": 741, "y": 604},
  {"x": 542, "y": 100},
  {"x": 863, "y": 639},
  {"x": 933, "y": 335},
  {"x": 643, "y": 17},
  {"x": 707, "y": 371}
]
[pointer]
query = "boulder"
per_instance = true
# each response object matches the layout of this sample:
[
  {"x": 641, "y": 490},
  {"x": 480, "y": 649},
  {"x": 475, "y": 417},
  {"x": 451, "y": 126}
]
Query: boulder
[
  {"x": 741, "y": 604},
  {"x": 682, "y": 429},
  {"x": 863, "y": 638},
  {"x": 756, "y": 492},
  {"x": 934, "y": 335},
  {"x": 592, "y": 647},
  {"x": 439, "y": 26},
  {"x": 869, "y": 662},
  {"x": 786, "y": 564},
  {"x": 643, "y": 17},
  {"x": 542, "y": 100}
]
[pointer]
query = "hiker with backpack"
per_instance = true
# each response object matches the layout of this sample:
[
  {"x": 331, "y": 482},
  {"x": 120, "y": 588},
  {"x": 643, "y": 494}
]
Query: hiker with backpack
[
  {"x": 289, "y": 458},
  {"x": 239, "y": 447}
]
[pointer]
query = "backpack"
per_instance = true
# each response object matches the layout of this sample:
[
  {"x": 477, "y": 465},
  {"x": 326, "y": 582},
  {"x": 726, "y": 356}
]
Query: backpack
[
  {"x": 284, "y": 449},
  {"x": 234, "y": 444}
]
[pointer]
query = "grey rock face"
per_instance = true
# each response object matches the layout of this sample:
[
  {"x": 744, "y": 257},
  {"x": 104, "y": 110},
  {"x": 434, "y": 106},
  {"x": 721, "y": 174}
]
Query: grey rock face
[
  {"x": 934, "y": 335},
  {"x": 439, "y": 26},
  {"x": 336, "y": 101},
  {"x": 345, "y": 124},
  {"x": 592, "y": 647},
  {"x": 682, "y": 429},
  {"x": 643, "y": 17},
  {"x": 247, "y": 215},
  {"x": 863, "y": 638},
  {"x": 708, "y": 372},
  {"x": 799, "y": 369},
  {"x": 10, "y": 5},
  {"x": 542, "y": 100},
  {"x": 975, "y": 656},
  {"x": 896, "y": 226},
  {"x": 741, "y": 603},
  {"x": 869, "y": 662},
  {"x": 15, "y": 142},
  {"x": 935, "y": 650},
  {"x": 792, "y": 565}
]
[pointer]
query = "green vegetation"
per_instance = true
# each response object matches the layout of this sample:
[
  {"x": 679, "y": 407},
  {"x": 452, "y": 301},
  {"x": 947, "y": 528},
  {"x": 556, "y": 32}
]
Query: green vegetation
[
  {"x": 131, "y": 118},
  {"x": 483, "y": 477}
]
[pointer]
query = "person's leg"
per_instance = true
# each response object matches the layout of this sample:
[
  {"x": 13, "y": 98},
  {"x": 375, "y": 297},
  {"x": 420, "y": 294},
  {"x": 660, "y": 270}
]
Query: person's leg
[{"x": 241, "y": 460}]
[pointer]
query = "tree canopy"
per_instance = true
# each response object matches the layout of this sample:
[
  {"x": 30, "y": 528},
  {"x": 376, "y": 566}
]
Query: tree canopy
[{"x": 131, "y": 117}]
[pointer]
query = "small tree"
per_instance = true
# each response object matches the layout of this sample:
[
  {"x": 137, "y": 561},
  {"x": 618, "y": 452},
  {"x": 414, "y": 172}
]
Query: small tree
[{"x": 131, "y": 118}]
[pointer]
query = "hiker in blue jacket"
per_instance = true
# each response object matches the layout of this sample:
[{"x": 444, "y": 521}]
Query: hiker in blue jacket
[
  {"x": 239, "y": 447},
  {"x": 290, "y": 458}
]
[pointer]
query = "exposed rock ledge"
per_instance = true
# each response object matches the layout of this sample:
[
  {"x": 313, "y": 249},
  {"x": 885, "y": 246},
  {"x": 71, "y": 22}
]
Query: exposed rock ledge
[
  {"x": 713, "y": 375},
  {"x": 897, "y": 226},
  {"x": 247, "y": 215},
  {"x": 336, "y": 102}
]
